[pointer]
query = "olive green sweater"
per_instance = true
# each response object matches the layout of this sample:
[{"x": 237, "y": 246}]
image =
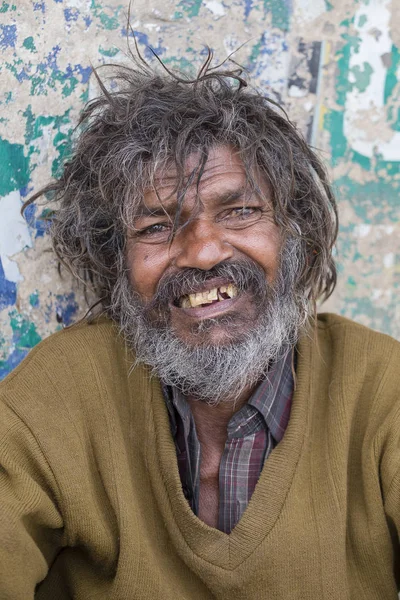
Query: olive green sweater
[{"x": 91, "y": 505}]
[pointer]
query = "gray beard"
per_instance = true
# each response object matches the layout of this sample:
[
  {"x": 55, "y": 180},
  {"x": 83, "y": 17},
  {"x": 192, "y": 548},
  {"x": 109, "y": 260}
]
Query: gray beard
[{"x": 220, "y": 372}]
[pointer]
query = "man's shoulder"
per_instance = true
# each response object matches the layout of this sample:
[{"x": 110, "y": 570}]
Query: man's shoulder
[
  {"x": 77, "y": 344},
  {"x": 77, "y": 358},
  {"x": 358, "y": 355},
  {"x": 73, "y": 385},
  {"x": 339, "y": 329}
]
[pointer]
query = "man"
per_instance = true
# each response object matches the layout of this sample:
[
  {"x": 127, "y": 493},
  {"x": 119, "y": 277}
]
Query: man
[{"x": 207, "y": 436}]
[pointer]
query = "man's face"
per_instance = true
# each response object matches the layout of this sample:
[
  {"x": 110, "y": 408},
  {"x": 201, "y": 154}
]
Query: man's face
[{"x": 224, "y": 222}]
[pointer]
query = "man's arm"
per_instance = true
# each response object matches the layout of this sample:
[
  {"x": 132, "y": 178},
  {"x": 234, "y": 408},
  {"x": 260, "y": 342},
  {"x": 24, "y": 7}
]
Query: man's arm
[{"x": 31, "y": 526}]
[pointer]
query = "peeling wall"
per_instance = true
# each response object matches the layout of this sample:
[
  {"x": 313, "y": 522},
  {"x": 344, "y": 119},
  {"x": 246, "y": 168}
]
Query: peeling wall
[{"x": 334, "y": 63}]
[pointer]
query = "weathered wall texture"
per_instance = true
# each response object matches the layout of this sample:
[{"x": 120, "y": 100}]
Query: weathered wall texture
[{"x": 335, "y": 63}]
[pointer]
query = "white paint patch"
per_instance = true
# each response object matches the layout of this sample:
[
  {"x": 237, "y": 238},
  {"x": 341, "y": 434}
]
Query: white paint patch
[
  {"x": 151, "y": 26},
  {"x": 83, "y": 5},
  {"x": 306, "y": 11},
  {"x": 376, "y": 293},
  {"x": 297, "y": 92},
  {"x": 375, "y": 41},
  {"x": 362, "y": 230},
  {"x": 388, "y": 260},
  {"x": 42, "y": 144},
  {"x": 215, "y": 7},
  {"x": 14, "y": 234}
]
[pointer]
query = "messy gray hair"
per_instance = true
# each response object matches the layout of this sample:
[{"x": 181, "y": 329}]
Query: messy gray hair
[{"x": 152, "y": 118}]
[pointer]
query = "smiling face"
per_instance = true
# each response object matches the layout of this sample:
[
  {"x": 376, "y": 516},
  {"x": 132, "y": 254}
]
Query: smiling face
[{"x": 223, "y": 223}]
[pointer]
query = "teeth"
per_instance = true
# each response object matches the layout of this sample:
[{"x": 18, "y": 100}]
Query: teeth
[
  {"x": 193, "y": 300},
  {"x": 185, "y": 303},
  {"x": 231, "y": 290}
]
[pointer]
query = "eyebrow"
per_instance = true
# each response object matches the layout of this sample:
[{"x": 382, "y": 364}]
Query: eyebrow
[{"x": 169, "y": 208}]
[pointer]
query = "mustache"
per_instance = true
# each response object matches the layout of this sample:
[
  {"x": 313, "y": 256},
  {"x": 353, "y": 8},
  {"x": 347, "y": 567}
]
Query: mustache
[{"x": 245, "y": 274}]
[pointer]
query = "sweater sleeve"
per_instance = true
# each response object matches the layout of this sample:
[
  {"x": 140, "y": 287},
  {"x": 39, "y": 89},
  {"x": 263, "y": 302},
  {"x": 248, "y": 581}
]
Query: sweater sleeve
[{"x": 31, "y": 526}]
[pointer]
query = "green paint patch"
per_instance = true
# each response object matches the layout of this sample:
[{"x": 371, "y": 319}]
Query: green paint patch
[
  {"x": 29, "y": 44},
  {"x": 351, "y": 283},
  {"x": 328, "y": 5},
  {"x": 280, "y": 13},
  {"x": 379, "y": 198},
  {"x": 69, "y": 87},
  {"x": 34, "y": 299},
  {"x": 109, "y": 22},
  {"x": 24, "y": 331},
  {"x": 14, "y": 172},
  {"x": 362, "y": 76},
  {"x": 255, "y": 51},
  {"x": 189, "y": 7},
  {"x": 63, "y": 144},
  {"x": 181, "y": 64},
  {"x": 391, "y": 74},
  {"x": 394, "y": 118},
  {"x": 5, "y": 6},
  {"x": 362, "y": 20},
  {"x": 392, "y": 90},
  {"x": 62, "y": 140},
  {"x": 342, "y": 84},
  {"x": 333, "y": 122},
  {"x": 84, "y": 97},
  {"x": 360, "y": 159},
  {"x": 110, "y": 52}
]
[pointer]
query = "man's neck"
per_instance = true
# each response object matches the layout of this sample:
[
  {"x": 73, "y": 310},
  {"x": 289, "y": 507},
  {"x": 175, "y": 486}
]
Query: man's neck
[
  {"x": 211, "y": 427},
  {"x": 212, "y": 420}
]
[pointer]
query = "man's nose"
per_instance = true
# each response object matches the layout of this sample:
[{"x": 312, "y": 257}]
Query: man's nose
[{"x": 201, "y": 244}]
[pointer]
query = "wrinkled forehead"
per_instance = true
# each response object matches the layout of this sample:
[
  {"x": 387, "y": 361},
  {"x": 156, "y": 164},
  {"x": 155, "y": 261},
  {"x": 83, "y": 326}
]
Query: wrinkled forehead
[{"x": 221, "y": 171}]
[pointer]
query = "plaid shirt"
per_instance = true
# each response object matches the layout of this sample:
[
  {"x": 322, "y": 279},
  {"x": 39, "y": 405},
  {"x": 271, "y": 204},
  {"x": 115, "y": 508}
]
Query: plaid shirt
[{"x": 253, "y": 432}]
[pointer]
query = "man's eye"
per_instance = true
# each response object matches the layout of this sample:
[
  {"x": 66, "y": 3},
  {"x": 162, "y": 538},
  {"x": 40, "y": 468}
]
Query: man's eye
[
  {"x": 157, "y": 231},
  {"x": 241, "y": 216},
  {"x": 244, "y": 212}
]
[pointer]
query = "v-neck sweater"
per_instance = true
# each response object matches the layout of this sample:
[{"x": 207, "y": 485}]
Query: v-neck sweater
[
  {"x": 91, "y": 499},
  {"x": 252, "y": 433}
]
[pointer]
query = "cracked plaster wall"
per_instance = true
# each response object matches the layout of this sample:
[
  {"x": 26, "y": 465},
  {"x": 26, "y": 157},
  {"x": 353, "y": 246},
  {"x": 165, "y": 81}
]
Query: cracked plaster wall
[{"x": 334, "y": 63}]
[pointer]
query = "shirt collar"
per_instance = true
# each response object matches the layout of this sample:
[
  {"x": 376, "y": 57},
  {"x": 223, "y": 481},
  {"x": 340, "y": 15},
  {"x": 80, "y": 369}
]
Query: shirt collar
[{"x": 271, "y": 398}]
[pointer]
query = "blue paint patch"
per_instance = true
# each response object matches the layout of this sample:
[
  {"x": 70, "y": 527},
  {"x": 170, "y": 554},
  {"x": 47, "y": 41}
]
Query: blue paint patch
[
  {"x": 248, "y": 5},
  {"x": 25, "y": 191},
  {"x": 143, "y": 39},
  {"x": 88, "y": 21},
  {"x": 48, "y": 75},
  {"x": 84, "y": 72},
  {"x": 22, "y": 76},
  {"x": 8, "y": 290},
  {"x": 66, "y": 308},
  {"x": 51, "y": 60},
  {"x": 8, "y": 36},
  {"x": 41, "y": 224},
  {"x": 39, "y": 6},
  {"x": 13, "y": 361},
  {"x": 71, "y": 14}
]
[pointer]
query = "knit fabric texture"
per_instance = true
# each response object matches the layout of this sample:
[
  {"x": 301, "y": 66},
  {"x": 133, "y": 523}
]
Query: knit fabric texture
[{"x": 92, "y": 507}]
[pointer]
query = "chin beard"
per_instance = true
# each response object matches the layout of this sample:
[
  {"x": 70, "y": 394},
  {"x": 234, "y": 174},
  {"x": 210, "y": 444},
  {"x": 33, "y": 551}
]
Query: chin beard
[{"x": 219, "y": 372}]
